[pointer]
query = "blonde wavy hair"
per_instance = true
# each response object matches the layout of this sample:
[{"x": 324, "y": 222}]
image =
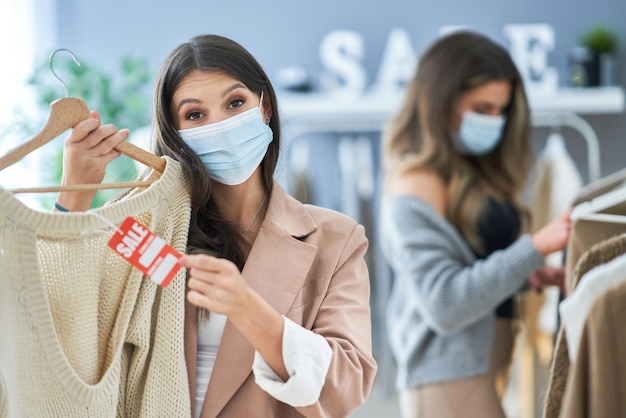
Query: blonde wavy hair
[{"x": 419, "y": 136}]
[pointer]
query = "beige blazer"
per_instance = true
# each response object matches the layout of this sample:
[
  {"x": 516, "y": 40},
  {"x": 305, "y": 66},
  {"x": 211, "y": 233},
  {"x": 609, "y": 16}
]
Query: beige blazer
[
  {"x": 597, "y": 383},
  {"x": 308, "y": 263}
]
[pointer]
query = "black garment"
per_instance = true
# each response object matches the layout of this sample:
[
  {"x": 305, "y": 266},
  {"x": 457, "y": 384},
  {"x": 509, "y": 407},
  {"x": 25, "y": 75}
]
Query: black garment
[{"x": 498, "y": 228}]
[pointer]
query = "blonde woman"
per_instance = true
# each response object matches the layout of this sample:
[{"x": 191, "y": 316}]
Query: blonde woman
[{"x": 457, "y": 156}]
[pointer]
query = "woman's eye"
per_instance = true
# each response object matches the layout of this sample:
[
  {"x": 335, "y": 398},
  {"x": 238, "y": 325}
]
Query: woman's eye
[
  {"x": 235, "y": 103},
  {"x": 482, "y": 110},
  {"x": 194, "y": 116}
]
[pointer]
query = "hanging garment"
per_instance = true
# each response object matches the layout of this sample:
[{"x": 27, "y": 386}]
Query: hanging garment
[
  {"x": 597, "y": 378},
  {"x": 584, "y": 234},
  {"x": 557, "y": 183},
  {"x": 575, "y": 308},
  {"x": 598, "y": 254},
  {"x": 83, "y": 332},
  {"x": 554, "y": 184}
]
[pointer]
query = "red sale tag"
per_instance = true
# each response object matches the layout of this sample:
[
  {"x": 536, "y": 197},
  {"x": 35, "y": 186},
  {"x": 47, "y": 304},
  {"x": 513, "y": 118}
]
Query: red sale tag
[{"x": 146, "y": 251}]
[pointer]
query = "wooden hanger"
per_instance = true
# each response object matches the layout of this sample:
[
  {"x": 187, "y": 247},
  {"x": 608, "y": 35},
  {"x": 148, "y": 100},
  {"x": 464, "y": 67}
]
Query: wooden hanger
[{"x": 64, "y": 114}]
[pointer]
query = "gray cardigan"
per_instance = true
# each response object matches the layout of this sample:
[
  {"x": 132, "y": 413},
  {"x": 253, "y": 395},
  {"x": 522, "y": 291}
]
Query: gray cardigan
[{"x": 440, "y": 315}]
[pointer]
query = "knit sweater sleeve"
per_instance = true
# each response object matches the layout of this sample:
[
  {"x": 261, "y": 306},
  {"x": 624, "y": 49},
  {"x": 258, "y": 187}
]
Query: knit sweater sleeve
[{"x": 448, "y": 286}]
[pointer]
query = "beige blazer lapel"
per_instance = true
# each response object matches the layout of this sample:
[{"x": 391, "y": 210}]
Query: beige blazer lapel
[{"x": 277, "y": 267}]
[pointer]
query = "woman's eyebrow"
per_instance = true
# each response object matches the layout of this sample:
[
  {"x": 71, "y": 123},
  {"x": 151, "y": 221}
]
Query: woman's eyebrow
[
  {"x": 185, "y": 101},
  {"x": 233, "y": 87}
]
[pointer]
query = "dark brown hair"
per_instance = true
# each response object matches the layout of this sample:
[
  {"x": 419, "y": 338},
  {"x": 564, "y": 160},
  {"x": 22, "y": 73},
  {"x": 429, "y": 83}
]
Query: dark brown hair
[
  {"x": 419, "y": 136},
  {"x": 209, "y": 232}
]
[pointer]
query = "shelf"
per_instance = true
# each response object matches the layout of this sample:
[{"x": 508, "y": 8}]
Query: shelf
[
  {"x": 583, "y": 101},
  {"x": 370, "y": 111}
]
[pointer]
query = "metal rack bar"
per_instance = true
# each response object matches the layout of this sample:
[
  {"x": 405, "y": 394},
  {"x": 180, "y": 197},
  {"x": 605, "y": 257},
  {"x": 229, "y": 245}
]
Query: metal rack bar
[{"x": 572, "y": 120}]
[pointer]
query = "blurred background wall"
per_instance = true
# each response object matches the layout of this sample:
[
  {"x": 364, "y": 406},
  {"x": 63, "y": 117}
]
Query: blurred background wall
[{"x": 283, "y": 33}]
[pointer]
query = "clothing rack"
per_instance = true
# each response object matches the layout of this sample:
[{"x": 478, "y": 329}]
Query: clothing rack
[{"x": 554, "y": 119}]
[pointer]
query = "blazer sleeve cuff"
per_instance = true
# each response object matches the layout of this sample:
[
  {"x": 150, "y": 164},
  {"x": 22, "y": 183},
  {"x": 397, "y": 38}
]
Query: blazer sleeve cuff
[{"x": 307, "y": 357}]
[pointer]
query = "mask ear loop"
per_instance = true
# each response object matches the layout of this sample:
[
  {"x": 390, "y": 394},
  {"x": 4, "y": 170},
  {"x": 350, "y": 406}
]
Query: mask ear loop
[{"x": 266, "y": 119}]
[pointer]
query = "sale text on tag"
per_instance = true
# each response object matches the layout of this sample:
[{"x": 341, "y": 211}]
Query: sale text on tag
[{"x": 146, "y": 251}]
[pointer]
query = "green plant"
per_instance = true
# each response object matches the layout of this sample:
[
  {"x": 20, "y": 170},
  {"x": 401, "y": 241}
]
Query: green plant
[
  {"x": 600, "y": 39},
  {"x": 121, "y": 99}
]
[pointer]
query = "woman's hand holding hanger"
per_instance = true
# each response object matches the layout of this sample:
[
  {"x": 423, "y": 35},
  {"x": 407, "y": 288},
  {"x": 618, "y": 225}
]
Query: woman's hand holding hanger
[
  {"x": 554, "y": 235},
  {"x": 87, "y": 151}
]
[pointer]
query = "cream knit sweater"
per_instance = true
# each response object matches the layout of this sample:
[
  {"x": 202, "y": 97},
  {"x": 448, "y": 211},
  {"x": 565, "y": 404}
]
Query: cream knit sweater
[{"x": 82, "y": 332}]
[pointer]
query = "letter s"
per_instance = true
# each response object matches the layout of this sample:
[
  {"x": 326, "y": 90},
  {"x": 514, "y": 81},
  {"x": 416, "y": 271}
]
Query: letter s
[
  {"x": 124, "y": 250},
  {"x": 341, "y": 52}
]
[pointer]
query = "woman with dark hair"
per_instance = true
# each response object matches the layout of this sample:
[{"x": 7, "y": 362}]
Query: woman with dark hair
[
  {"x": 457, "y": 156},
  {"x": 278, "y": 318}
]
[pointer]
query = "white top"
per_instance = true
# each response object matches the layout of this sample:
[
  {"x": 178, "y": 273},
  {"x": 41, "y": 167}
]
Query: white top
[
  {"x": 209, "y": 338},
  {"x": 307, "y": 357}
]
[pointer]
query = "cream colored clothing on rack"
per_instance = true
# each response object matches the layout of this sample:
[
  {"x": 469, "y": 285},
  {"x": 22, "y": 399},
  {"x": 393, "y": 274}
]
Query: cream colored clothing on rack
[
  {"x": 556, "y": 184},
  {"x": 584, "y": 234},
  {"x": 575, "y": 308},
  {"x": 83, "y": 332}
]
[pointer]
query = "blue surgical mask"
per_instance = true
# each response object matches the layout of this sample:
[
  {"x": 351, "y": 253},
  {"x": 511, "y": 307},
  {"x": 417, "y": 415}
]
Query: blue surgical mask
[
  {"x": 233, "y": 148},
  {"x": 479, "y": 134}
]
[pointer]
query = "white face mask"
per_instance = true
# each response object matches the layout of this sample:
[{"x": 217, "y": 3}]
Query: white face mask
[
  {"x": 479, "y": 134},
  {"x": 233, "y": 148}
]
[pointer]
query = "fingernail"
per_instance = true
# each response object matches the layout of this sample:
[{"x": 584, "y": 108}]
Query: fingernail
[{"x": 125, "y": 132}]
